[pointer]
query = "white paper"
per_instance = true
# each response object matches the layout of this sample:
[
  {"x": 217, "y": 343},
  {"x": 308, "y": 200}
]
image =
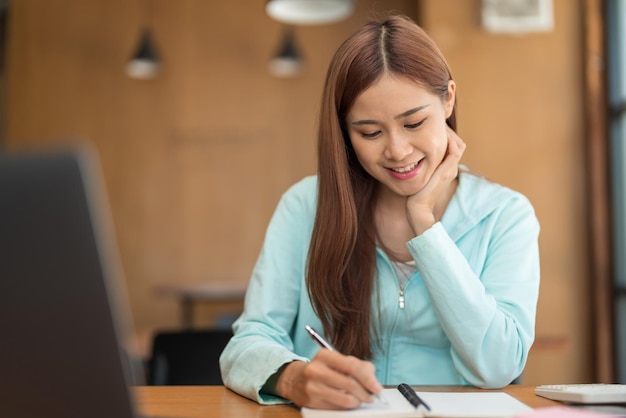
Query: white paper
[{"x": 442, "y": 404}]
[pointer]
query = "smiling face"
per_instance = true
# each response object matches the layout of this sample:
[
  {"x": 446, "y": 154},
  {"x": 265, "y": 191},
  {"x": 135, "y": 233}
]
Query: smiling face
[{"x": 398, "y": 131}]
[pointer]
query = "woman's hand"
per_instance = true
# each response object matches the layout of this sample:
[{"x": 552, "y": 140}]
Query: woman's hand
[
  {"x": 330, "y": 381},
  {"x": 425, "y": 207}
]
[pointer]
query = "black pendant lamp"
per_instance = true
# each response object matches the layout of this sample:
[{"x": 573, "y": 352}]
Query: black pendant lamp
[
  {"x": 145, "y": 63},
  {"x": 287, "y": 62}
]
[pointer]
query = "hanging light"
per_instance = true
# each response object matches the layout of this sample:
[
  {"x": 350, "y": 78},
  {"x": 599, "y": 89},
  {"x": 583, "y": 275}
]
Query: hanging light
[
  {"x": 309, "y": 12},
  {"x": 288, "y": 61},
  {"x": 144, "y": 63}
]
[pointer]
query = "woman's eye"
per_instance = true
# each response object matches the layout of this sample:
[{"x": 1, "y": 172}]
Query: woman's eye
[
  {"x": 370, "y": 135},
  {"x": 415, "y": 125}
]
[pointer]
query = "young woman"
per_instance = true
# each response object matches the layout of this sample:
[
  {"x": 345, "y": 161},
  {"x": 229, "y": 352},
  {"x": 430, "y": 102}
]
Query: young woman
[{"x": 414, "y": 269}]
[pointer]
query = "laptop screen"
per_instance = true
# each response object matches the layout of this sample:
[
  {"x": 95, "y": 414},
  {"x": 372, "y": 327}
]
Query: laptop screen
[{"x": 62, "y": 300}]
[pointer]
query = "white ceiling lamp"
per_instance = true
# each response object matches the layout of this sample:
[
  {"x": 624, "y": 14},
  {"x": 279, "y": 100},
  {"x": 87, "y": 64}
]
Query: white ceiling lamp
[{"x": 309, "y": 12}]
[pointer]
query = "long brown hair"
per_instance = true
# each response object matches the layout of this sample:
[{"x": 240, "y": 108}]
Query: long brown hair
[{"x": 342, "y": 255}]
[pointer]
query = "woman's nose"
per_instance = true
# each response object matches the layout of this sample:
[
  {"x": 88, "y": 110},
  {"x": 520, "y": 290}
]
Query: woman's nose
[{"x": 398, "y": 147}]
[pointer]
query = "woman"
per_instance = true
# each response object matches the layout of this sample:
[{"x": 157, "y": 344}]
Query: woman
[{"x": 414, "y": 270}]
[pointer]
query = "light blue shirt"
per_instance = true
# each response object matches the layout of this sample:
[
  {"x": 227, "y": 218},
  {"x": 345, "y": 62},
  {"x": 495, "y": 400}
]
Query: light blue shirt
[{"x": 469, "y": 312}]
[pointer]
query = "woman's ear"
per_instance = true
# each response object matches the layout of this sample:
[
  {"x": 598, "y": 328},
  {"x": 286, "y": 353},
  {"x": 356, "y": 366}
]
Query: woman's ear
[{"x": 449, "y": 103}]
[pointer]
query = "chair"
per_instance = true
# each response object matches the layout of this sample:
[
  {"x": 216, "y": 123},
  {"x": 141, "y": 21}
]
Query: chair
[{"x": 188, "y": 357}]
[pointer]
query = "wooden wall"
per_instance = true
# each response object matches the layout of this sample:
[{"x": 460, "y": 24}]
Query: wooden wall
[
  {"x": 195, "y": 160},
  {"x": 521, "y": 112}
]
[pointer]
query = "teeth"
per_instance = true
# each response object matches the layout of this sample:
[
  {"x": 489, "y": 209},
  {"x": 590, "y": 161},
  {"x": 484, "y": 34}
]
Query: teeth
[{"x": 405, "y": 169}]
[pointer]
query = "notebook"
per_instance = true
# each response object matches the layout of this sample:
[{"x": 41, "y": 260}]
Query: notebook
[
  {"x": 63, "y": 311},
  {"x": 442, "y": 404}
]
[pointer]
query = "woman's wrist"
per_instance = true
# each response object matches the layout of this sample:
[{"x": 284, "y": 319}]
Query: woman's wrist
[
  {"x": 422, "y": 223},
  {"x": 271, "y": 385},
  {"x": 286, "y": 377}
]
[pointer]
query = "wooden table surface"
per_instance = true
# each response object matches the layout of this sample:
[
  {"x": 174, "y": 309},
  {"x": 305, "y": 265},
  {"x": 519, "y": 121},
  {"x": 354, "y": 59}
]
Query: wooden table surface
[{"x": 218, "y": 401}]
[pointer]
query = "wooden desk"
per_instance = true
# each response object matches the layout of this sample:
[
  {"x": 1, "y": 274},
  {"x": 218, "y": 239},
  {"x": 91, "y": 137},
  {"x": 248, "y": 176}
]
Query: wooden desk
[{"x": 218, "y": 401}]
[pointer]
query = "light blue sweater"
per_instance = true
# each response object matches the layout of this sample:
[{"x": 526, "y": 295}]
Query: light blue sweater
[{"x": 469, "y": 311}]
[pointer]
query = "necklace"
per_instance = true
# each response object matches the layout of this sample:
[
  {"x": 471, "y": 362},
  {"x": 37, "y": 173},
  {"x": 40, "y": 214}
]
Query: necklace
[{"x": 404, "y": 271}]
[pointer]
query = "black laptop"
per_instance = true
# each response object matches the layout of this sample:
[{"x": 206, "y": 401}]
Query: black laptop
[{"x": 63, "y": 312}]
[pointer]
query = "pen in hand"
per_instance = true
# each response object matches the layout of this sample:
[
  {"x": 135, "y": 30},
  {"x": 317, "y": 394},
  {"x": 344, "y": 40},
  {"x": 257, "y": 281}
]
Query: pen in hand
[{"x": 325, "y": 344}]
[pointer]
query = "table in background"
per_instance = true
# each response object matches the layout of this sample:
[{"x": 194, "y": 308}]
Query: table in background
[
  {"x": 189, "y": 294},
  {"x": 218, "y": 401}
]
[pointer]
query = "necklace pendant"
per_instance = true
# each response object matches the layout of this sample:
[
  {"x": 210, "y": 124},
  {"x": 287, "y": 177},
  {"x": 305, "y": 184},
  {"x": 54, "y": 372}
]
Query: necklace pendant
[{"x": 401, "y": 297}]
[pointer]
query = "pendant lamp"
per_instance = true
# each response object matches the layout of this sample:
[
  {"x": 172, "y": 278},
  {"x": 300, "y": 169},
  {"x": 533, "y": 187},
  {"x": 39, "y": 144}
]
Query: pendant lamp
[
  {"x": 287, "y": 62},
  {"x": 309, "y": 12},
  {"x": 144, "y": 63}
]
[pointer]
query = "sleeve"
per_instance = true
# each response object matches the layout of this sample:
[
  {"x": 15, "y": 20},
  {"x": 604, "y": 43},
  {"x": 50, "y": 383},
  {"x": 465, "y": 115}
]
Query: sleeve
[
  {"x": 488, "y": 316},
  {"x": 262, "y": 343}
]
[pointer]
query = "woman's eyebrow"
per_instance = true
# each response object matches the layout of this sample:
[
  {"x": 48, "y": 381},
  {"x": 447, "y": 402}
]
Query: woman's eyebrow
[
  {"x": 411, "y": 111},
  {"x": 401, "y": 115},
  {"x": 364, "y": 122}
]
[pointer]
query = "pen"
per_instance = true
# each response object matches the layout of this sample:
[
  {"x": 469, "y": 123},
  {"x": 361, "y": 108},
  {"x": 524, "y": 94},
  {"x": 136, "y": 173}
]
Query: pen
[
  {"x": 319, "y": 339},
  {"x": 411, "y": 396},
  {"x": 325, "y": 344}
]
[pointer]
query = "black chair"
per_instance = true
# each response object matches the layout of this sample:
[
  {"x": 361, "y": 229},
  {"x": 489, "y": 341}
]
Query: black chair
[{"x": 189, "y": 357}]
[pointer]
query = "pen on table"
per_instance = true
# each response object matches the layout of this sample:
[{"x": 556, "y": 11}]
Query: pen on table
[
  {"x": 411, "y": 396},
  {"x": 325, "y": 344}
]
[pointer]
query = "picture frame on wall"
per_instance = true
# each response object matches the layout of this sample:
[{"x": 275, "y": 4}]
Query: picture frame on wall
[{"x": 517, "y": 16}]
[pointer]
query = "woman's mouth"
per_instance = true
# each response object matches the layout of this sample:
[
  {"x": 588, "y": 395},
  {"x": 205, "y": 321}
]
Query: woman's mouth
[
  {"x": 406, "y": 172},
  {"x": 406, "y": 169}
]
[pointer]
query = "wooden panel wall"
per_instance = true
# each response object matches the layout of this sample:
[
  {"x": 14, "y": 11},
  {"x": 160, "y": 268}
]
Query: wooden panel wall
[
  {"x": 521, "y": 112},
  {"x": 196, "y": 160}
]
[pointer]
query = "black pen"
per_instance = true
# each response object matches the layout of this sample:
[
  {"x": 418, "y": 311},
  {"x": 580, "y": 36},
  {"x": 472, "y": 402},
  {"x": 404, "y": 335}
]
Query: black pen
[
  {"x": 325, "y": 344},
  {"x": 411, "y": 396}
]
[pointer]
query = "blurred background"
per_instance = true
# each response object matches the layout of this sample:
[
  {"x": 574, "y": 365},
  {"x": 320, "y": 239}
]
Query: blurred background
[{"x": 198, "y": 143}]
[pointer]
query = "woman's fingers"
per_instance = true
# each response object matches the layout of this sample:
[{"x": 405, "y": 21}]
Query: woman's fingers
[
  {"x": 456, "y": 146},
  {"x": 362, "y": 375},
  {"x": 335, "y": 381},
  {"x": 421, "y": 206}
]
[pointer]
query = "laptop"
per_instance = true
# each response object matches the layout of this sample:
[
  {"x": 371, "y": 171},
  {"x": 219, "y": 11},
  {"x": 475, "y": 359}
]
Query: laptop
[{"x": 63, "y": 309}]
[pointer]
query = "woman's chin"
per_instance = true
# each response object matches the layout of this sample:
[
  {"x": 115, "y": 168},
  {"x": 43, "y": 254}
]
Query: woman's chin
[{"x": 404, "y": 190}]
